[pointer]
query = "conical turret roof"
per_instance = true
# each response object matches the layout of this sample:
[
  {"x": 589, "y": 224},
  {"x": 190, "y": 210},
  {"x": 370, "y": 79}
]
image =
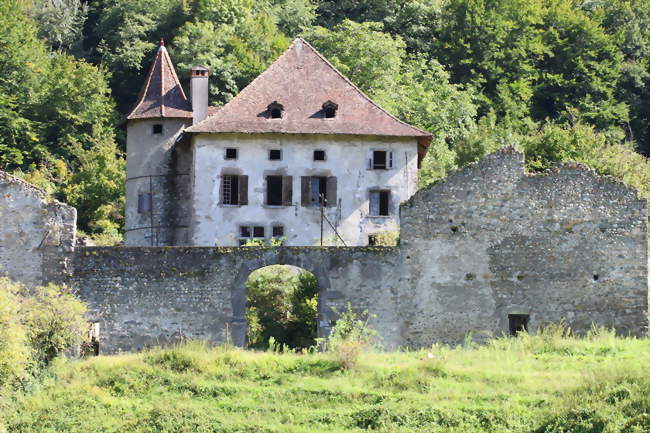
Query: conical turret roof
[
  {"x": 162, "y": 94},
  {"x": 300, "y": 82}
]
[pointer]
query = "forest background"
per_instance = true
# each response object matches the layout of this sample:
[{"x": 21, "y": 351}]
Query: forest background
[{"x": 560, "y": 79}]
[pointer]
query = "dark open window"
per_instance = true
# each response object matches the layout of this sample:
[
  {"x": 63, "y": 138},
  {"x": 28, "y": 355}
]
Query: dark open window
[
  {"x": 372, "y": 240},
  {"x": 275, "y": 154},
  {"x": 319, "y": 155},
  {"x": 518, "y": 323},
  {"x": 379, "y": 203},
  {"x": 247, "y": 233},
  {"x": 379, "y": 159},
  {"x": 318, "y": 189},
  {"x": 329, "y": 109},
  {"x": 157, "y": 128},
  {"x": 231, "y": 153},
  {"x": 234, "y": 189},
  {"x": 279, "y": 190},
  {"x": 278, "y": 231},
  {"x": 275, "y": 110}
]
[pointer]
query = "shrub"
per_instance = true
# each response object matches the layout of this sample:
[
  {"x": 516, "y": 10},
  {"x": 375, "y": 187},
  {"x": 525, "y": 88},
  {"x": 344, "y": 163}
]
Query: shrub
[
  {"x": 36, "y": 325},
  {"x": 350, "y": 337},
  {"x": 55, "y": 321},
  {"x": 14, "y": 351}
]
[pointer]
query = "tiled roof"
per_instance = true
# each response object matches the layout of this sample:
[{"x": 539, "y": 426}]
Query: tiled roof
[
  {"x": 162, "y": 94},
  {"x": 301, "y": 81}
]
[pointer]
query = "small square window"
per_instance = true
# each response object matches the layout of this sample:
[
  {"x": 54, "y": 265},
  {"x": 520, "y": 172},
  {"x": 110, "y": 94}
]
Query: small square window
[
  {"x": 258, "y": 231},
  {"x": 275, "y": 154},
  {"x": 518, "y": 323},
  {"x": 245, "y": 231},
  {"x": 157, "y": 128},
  {"x": 278, "y": 231},
  {"x": 231, "y": 153},
  {"x": 319, "y": 155},
  {"x": 379, "y": 159},
  {"x": 372, "y": 240}
]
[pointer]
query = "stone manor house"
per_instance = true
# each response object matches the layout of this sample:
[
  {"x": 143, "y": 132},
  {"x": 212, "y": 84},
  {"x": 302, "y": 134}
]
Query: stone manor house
[{"x": 300, "y": 154}]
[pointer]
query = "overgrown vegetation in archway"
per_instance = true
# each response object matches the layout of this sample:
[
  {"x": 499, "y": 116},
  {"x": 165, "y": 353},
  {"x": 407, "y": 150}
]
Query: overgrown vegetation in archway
[{"x": 282, "y": 303}]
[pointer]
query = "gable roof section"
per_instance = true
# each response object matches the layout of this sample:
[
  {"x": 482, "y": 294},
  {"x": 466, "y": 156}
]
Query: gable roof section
[
  {"x": 162, "y": 94},
  {"x": 301, "y": 80}
]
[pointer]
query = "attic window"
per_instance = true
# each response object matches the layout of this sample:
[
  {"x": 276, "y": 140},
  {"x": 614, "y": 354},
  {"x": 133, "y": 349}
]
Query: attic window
[
  {"x": 329, "y": 108},
  {"x": 275, "y": 110},
  {"x": 157, "y": 128}
]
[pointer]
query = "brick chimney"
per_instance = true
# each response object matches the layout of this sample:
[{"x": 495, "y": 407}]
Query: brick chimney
[{"x": 199, "y": 93}]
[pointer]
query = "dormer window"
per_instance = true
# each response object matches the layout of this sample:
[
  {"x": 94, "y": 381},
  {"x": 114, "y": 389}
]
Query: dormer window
[
  {"x": 275, "y": 110},
  {"x": 329, "y": 108}
]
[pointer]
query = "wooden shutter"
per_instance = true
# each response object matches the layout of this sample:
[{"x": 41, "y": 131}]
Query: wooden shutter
[
  {"x": 304, "y": 191},
  {"x": 389, "y": 163},
  {"x": 243, "y": 190},
  {"x": 369, "y": 160},
  {"x": 287, "y": 190},
  {"x": 374, "y": 203},
  {"x": 331, "y": 191},
  {"x": 221, "y": 198}
]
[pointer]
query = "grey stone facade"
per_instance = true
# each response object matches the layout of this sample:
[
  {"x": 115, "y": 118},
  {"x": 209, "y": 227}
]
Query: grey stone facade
[
  {"x": 487, "y": 242},
  {"x": 35, "y": 231}
]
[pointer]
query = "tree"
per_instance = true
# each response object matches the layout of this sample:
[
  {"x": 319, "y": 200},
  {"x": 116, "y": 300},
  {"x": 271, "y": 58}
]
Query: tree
[
  {"x": 370, "y": 58},
  {"x": 60, "y": 22},
  {"x": 283, "y": 304}
]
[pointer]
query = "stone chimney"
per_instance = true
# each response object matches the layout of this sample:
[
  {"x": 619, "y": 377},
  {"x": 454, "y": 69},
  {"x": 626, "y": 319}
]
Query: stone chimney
[{"x": 199, "y": 93}]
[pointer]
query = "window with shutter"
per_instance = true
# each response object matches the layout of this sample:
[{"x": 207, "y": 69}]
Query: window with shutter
[
  {"x": 330, "y": 192},
  {"x": 379, "y": 159},
  {"x": 230, "y": 191},
  {"x": 287, "y": 190},
  {"x": 243, "y": 190},
  {"x": 304, "y": 191},
  {"x": 318, "y": 190},
  {"x": 379, "y": 203},
  {"x": 274, "y": 190}
]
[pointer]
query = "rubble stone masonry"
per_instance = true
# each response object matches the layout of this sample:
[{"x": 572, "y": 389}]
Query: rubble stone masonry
[{"x": 487, "y": 242}]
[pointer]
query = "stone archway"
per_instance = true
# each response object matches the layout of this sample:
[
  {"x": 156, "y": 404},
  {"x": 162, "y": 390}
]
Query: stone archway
[{"x": 238, "y": 324}]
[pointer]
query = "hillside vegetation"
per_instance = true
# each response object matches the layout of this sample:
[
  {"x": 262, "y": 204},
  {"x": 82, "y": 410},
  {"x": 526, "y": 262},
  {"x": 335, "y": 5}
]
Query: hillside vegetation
[
  {"x": 539, "y": 384},
  {"x": 562, "y": 79}
]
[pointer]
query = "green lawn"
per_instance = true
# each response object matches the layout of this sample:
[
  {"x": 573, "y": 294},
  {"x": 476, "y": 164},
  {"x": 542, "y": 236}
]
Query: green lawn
[{"x": 529, "y": 384}]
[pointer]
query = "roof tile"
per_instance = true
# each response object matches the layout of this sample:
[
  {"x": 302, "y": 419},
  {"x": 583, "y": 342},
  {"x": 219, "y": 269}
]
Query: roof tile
[
  {"x": 162, "y": 94},
  {"x": 302, "y": 80}
]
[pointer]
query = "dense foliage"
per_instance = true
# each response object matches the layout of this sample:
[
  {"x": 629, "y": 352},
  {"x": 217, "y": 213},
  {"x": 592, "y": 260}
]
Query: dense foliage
[
  {"x": 562, "y": 79},
  {"x": 547, "y": 383},
  {"x": 282, "y": 307},
  {"x": 36, "y": 325}
]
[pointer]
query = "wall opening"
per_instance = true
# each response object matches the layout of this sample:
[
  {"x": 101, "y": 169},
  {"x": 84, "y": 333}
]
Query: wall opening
[
  {"x": 281, "y": 303},
  {"x": 518, "y": 323}
]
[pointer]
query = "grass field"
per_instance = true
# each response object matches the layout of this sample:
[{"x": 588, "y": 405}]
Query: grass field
[{"x": 545, "y": 383}]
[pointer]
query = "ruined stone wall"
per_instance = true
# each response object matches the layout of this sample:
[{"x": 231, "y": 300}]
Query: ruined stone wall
[
  {"x": 488, "y": 241},
  {"x": 148, "y": 296},
  {"x": 35, "y": 231},
  {"x": 492, "y": 240}
]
